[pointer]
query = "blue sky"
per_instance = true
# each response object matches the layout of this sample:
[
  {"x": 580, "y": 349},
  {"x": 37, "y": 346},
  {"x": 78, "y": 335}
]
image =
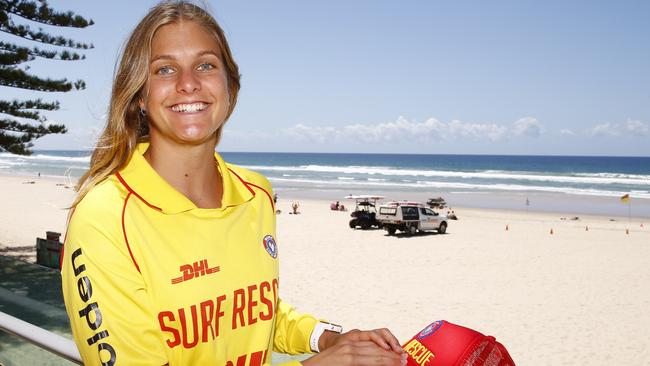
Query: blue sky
[{"x": 499, "y": 77}]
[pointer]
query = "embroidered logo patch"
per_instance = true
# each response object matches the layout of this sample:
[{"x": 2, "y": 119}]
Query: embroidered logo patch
[
  {"x": 270, "y": 246},
  {"x": 430, "y": 329}
]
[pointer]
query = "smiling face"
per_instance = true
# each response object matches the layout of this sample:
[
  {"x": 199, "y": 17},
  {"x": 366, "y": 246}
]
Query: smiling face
[{"x": 186, "y": 95}]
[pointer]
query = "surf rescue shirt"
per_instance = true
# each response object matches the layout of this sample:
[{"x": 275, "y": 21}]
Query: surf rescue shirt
[{"x": 150, "y": 279}]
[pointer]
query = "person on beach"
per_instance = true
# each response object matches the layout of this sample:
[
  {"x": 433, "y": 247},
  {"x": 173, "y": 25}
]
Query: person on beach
[{"x": 170, "y": 254}]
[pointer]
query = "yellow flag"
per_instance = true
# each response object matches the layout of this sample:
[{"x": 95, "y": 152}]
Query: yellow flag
[{"x": 625, "y": 198}]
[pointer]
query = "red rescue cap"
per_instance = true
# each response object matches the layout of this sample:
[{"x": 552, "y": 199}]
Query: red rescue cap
[{"x": 445, "y": 344}]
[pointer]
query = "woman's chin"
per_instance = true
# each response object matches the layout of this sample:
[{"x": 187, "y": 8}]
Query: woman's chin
[{"x": 195, "y": 136}]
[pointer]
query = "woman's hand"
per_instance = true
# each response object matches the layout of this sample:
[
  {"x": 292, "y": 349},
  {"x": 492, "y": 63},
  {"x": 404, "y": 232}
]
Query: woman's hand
[
  {"x": 356, "y": 353},
  {"x": 358, "y": 348},
  {"x": 381, "y": 337}
]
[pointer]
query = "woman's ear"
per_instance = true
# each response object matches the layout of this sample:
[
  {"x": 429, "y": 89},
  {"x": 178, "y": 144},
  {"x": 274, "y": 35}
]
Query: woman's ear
[{"x": 142, "y": 107}]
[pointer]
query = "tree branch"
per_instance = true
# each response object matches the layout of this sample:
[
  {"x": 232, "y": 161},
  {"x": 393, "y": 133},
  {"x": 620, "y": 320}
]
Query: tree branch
[
  {"x": 44, "y": 14},
  {"x": 27, "y": 109},
  {"x": 17, "y": 78},
  {"x": 24, "y": 31},
  {"x": 17, "y": 54}
]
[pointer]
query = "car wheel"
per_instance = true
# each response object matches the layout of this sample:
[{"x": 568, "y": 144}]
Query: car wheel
[
  {"x": 442, "y": 228},
  {"x": 365, "y": 225},
  {"x": 412, "y": 230},
  {"x": 391, "y": 230},
  {"x": 353, "y": 224}
]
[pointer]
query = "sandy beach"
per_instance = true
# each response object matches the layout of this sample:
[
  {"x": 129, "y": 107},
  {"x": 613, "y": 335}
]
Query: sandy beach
[
  {"x": 577, "y": 296},
  {"x": 30, "y": 207}
]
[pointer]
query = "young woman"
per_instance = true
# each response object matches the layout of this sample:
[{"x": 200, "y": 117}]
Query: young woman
[{"x": 171, "y": 255}]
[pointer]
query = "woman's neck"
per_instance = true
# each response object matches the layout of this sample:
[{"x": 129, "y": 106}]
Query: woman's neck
[{"x": 191, "y": 170}]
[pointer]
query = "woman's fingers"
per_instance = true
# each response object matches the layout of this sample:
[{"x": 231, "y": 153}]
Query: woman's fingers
[
  {"x": 357, "y": 353},
  {"x": 390, "y": 339},
  {"x": 382, "y": 337},
  {"x": 379, "y": 339}
]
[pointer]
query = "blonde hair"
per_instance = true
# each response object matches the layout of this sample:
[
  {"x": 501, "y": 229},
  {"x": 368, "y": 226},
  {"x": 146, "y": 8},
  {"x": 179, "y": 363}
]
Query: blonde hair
[{"x": 126, "y": 125}]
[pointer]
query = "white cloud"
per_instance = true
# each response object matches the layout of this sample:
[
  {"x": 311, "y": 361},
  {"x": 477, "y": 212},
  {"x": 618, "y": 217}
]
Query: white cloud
[
  {"x": 475, "y": 131},
  {"x": 405, "y": 130},
  {"x": 604, "y": 129},
  {"x": 629, "y": 128},
  {"x": 527, "y": 126},
  {"x": 567, "y": 132},
  {"x": 637, "y": 127}
]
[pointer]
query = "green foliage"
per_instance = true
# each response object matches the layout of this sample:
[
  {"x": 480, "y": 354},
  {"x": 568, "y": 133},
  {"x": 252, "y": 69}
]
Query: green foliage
[
  {"x": 27, "y": 108},
  {"x": 16, "y": 136},
  {"x": 44, "y": 14},
  {"x": 7, "y": 25},
  {"x": 18, "y": 78},
  {"x": 16, "y": 54},
  {"x": 15, "y": 58}
]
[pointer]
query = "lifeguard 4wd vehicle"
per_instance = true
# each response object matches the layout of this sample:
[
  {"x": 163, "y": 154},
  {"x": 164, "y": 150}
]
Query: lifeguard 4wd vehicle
[
  {"x": 365, "y": 212},
  {"x": 437, "y": 203},
  {"x": 410, "y": 217}
]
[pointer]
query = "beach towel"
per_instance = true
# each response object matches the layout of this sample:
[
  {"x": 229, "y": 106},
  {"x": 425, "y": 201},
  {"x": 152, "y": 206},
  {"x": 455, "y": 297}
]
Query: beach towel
[{"x": 445, "y": 344}]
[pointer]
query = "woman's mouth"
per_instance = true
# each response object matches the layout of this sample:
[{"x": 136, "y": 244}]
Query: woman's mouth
[{"x": 189, "y": 107}]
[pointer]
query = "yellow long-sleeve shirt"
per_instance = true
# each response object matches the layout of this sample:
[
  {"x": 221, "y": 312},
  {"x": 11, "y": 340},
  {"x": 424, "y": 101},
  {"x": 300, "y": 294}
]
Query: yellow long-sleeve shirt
[{"x": 150, "y": 279}]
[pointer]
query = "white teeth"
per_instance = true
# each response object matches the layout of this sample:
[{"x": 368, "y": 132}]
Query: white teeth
[{"x": 194, "y": 107}]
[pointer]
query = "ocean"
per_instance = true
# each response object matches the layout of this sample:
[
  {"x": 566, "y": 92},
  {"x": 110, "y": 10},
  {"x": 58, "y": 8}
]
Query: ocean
[{"x": 495, "y": 181}]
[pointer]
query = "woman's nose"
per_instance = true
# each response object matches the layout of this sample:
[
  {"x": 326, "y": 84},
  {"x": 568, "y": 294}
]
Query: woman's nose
[{"x": 188, "y": 82}]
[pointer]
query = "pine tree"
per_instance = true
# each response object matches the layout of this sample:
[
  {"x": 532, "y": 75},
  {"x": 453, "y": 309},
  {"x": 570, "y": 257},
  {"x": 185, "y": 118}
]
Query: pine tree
[{"x": 17, "y": 136}]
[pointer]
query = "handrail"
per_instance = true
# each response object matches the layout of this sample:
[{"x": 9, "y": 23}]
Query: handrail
[{"x": 42, "y": 338}]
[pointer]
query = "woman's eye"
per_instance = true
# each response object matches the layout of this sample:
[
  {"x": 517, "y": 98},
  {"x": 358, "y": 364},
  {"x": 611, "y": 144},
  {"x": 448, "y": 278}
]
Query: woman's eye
[
  {"x": 165, "y": 70},
  {"x": 205, "y": 67}
]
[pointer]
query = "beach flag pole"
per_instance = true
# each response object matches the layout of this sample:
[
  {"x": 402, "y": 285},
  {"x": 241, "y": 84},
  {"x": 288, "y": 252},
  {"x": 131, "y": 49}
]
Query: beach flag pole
[
  {"x": 629, "y": 211},
  {"x": 626, "y": 199}
]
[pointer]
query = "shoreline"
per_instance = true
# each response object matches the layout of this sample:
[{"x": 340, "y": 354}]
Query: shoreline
[
  {"x": 49, "y": 198},
  {"x": 539, "y": 201}
]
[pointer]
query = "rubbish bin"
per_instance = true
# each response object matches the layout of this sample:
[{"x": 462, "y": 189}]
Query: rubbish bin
[{"x": 48, "y": 251}]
